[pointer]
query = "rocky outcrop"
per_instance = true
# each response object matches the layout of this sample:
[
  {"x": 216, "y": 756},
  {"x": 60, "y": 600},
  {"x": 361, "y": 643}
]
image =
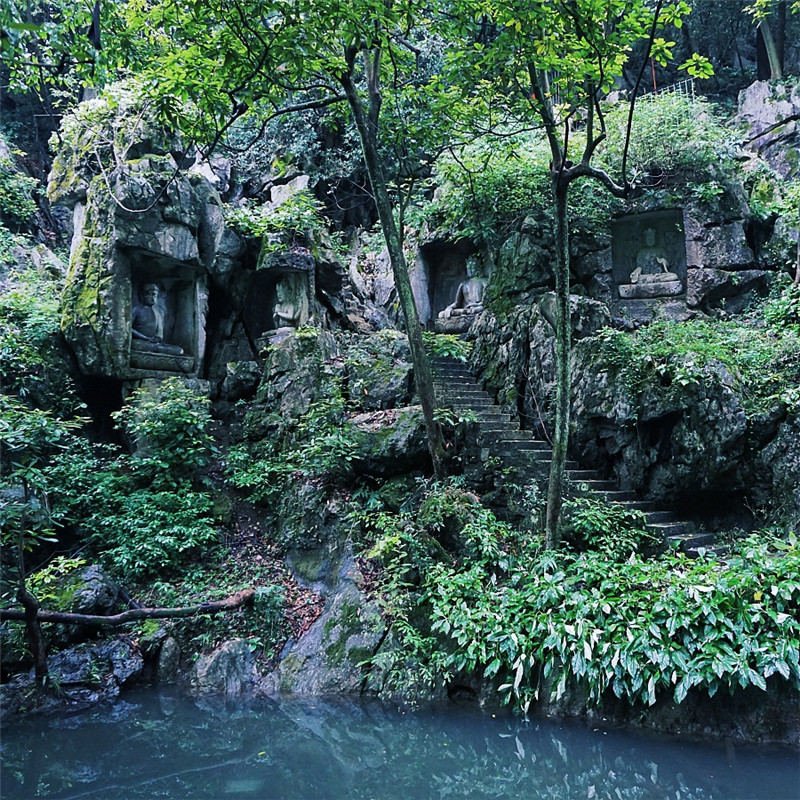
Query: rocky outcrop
[
  {"x": 515, "y": 356},
  {"x": 771, "y": 113},
  {"x": 227, "y": 671},
  {"x": 332, "y": 657},
  {"x": 677, "y": 439}
]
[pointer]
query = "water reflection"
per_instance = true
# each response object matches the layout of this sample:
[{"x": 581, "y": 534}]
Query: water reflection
[{"x": 163, "y": 746}]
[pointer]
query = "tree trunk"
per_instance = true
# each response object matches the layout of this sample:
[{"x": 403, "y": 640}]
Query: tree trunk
[
  {"x": 555, "y": 487},
  {"x": 422, "y": 369},
  {"x": 770, "y": 51},
  {"x": 33, "y": 632}
]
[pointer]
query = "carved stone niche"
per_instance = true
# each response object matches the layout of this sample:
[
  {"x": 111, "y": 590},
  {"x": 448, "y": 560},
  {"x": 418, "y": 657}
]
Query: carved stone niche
[
  {"x": 167, "y": 316},
  {"x": 649, "y": 255},
  {"x": 278, "y": 301},
  {"x": 445, "y": 279}
]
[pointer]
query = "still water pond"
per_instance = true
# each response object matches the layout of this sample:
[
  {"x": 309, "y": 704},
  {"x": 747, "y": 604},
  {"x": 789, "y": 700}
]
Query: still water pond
[{"x": 162, "y": 746}]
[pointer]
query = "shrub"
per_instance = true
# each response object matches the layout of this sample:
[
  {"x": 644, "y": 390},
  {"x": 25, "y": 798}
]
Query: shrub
[
  {"x": 782, "y": 309},
  {"x": 170, "y": 429},
  {"x": 670, "y": 356},
  {"x": 636, "y": 628},
  {"x": 17, "y": 205},
  {"x": 321, "y": 443},
  {"x": 293, "y": 222},
  {"x": 608, "y": 528},
  {"x": 31, "y": 364},
  {"x": 671, "y": 133}
]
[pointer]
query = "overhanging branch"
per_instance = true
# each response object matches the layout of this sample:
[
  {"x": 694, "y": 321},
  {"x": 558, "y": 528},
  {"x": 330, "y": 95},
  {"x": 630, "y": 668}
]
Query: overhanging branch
[{"x": 134, "y": 614}]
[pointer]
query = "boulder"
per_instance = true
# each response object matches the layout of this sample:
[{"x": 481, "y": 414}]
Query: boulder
[
  {"x": 762, "y": 107},
  {"x": 169, "y": 661},
  {"x": 711, "y": 288},
  {"x": 331, "y": 657},
  {"x": 379, "y": 370},
  {"x": 781, "y": 459},
  {"x": 391, "y": 442},
  {"x": 107, "y": 665},
  {"x": 295, "y": 369},
  {"x": 715, "y": 246},
  {"x": 228, "y": 670}
]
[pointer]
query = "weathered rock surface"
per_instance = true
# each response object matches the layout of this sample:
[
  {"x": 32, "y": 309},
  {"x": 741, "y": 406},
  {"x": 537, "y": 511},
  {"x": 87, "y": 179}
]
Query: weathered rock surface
[
  {"x": 228, "y": 670},
  {"x": 675, "y": 442},
  {"x": 330, "y": 658},
  {"x": 763, "y": 106}
]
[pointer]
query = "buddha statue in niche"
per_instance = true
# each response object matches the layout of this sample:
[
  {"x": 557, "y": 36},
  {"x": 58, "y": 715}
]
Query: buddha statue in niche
[
  {"x": 469, "y": 295},
  {"x": 147, "y": 324},
  {"x": 651, "y": 262},
  {"x": 652, "y": 276},
  {"x": 291, "y": 302}
]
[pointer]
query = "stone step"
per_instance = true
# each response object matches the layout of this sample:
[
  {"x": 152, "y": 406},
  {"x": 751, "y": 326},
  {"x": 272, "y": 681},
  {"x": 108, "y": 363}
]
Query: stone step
[
  {"x": 459, "y": 385},
  {"x": 463, "y": 390},
  {"x": 690, "y": 542},
  {"x": 484, "y": 402},
  {"x": 675, "y": 530},
  {"x": 453, "y": 372},
  {"x": 592, "y": 486},
  {"x": 537, "y": 465},
  {"x": 639, "y": 505},
  {"x": 454, "y": 377},
  {"x": 525, "y": 445},
  {"x": 617, "y": 495},
  {"x": 494, "y": 418},
  {"x": 579, "y": 475},
  {"x": 499, "y": 433},
  {"x": 654, "y": 517}
]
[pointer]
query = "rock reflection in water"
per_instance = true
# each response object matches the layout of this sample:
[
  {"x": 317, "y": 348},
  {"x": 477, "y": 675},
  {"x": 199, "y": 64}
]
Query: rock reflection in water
[{"x": 162, "y": 746}]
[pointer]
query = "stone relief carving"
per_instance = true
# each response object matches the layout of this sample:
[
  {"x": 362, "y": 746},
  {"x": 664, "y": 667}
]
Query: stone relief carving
[
  {"x": 291, "y": 302},
  {"x": 468, "y": 303},
  {"x": 652, "y": 275},
  {"x": 147, "y": 324}
]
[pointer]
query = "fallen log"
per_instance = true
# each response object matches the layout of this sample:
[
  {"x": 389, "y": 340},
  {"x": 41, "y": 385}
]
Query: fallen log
[{"x": 134, "y": 614}]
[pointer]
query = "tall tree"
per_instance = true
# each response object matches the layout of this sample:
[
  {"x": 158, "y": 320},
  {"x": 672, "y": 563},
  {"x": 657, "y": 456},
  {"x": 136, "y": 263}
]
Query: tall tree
[
  {"x": 238, "y": 57},
  {"x": 559, "y": 58},
  {"x": 207, "y": 65}
]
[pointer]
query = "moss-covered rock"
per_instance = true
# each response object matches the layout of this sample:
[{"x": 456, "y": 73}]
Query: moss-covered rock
[{"x": 333, "y": 657}]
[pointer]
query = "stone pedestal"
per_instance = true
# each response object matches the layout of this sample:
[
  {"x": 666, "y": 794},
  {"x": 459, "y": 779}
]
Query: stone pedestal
[
  {"x": 630, "y": 291},
  {"x": 458, "y": 323}
]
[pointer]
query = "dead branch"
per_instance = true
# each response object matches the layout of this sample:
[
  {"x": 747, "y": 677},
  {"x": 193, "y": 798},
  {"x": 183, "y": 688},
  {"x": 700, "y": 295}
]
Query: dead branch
[{"x": 134, "y": 614}]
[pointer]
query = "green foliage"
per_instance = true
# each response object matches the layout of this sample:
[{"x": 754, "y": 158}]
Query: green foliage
[
  {"x": 322, "y": 443},
  {"x": 294, "y": 221},
  {"x": 771, "y": 195},
  {"x": 671, "y": 133},
  {"x": 782, "y": 309},
  {"x": 17, "y": 205},
  {"x": 466, "y": 592},
  {"x": 443, "y": 527},
  {"x": 169, "y": 426},
  {"x": 488, "y": 187},
  {"x": 638, "y": 628},
  {"x": 608, "y": 528},
  {"x": 141, "y": 532},
  {"x": 31, "y": 363},
  {"x": 449, "y": 345},
  {"x": 53, "y": 586},
  {"x": 140, "y": 512},
  {"x": 671, "y": 356}
]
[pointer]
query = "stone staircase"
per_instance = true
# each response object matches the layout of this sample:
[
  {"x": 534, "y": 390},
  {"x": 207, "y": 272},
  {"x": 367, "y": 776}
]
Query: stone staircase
[{"x": 500, "y": 436}]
